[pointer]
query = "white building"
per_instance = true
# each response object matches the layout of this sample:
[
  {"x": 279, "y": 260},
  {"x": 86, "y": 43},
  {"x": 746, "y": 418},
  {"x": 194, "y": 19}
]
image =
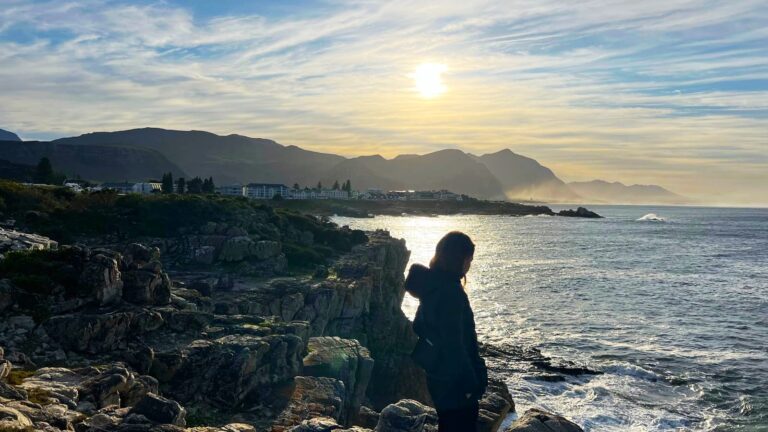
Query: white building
[
  {"x": 233, "y": 190},
  {"x": 266, "y": 190},
  {"x": 147, "y": 188},
  {"x": 123, "y": 187},
  {"x": 333, "y": 194}
]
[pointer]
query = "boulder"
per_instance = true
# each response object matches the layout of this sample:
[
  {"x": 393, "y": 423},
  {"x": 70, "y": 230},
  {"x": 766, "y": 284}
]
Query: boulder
[
  {"x": 226, "y": 370},
  {"x": 494, "y": 406},
  {"x": 345, "y": 360},
  {"x": 311, "y": 397},
  {"x": 101, "y": 276},
  {"x": 405, "y": 416},
  {"x": 11, "y": 420},
  {"x": 145, "y": 287},
  {"x": 536, "y": 420},
  {"x": 236, "y": 249},
  {"x": 160, "y": 410}
]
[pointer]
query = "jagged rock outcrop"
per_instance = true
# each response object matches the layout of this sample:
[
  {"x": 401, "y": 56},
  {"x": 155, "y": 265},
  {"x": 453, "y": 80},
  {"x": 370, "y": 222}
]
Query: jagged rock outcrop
[
  {"x": 160, "y": 410},
  {"x": 345, "y": 360},
  {"x": 312, "y": 352},
  {"x": 536, "y": 420},
  {"x": 311, "y": 397},
  {"x": 406, "y": 416}
]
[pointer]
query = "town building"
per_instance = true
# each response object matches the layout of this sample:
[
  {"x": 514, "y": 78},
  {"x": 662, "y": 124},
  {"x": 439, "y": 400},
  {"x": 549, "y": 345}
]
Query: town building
[
  {"x": 233, "y": 190},
  {"x": 266, "y": 190},
  {"x": 130, "y": 187}
]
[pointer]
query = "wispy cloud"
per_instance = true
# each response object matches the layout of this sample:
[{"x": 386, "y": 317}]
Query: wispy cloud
[{"x": 670, "y": 92}]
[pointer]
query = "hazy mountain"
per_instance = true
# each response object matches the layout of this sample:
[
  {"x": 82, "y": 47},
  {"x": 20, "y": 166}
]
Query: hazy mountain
[
  {"x": 93, "y": 162},
  {"x": 619, "y": 193},
  {"x": 140, "y": 154},
  {"x": 231, "y": 158},
  {"x": 445, "y": 169},
  {"x": 8, "y": 136},
  {"x": 523, "y": 178}
]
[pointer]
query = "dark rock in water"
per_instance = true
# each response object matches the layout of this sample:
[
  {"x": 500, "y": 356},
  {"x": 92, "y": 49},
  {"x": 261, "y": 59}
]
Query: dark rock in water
[
  {"x": 161, "y": 410},
  {"x": 579, "y": 212},
  {"x": 535, "y": 420},
  {"x": 502, "y": 359}
]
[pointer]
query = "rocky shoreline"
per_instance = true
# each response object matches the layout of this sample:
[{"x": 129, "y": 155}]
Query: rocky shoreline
[
  {"x": 469, "y": 206},
  {"x": 105, "y": 338}
]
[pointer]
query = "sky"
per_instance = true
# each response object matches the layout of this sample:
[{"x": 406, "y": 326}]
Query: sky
[{"x": 652, "y": 92}]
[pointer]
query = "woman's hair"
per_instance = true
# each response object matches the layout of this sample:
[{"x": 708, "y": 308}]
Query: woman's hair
[{"x": 451, "y": 252}]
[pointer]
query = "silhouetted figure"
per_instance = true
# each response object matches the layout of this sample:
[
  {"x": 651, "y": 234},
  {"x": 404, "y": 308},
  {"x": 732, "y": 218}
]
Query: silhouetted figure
[{"x": 447, "y": 347}]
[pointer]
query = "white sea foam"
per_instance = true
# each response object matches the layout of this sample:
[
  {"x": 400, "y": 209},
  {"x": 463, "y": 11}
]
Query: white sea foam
[{"x": 652, "y": 217}]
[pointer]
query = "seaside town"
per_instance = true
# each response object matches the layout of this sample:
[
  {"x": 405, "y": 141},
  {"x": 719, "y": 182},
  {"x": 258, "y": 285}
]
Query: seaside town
[{"x": 274, "y": 191}]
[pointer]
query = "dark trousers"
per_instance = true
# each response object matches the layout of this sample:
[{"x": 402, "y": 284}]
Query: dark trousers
[{"x": 458, "y": 420}]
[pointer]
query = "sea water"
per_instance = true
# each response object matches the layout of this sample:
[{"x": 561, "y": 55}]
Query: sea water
[{"x": 671, "y": 303}]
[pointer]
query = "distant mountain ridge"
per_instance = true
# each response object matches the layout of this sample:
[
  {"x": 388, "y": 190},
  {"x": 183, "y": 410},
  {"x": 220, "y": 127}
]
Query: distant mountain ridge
[
  {"x": 93, "y": 162},
  {"x": 616, "y": 192},
  {"x": 138, "y": 154},
  {"x": 8, "y": 136}
]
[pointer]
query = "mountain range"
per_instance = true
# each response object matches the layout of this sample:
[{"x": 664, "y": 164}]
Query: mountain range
[
  {"x": 139, "y": 154},
  {"x": 600, "y": 191}
]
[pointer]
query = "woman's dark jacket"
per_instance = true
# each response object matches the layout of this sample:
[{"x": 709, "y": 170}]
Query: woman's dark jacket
[{"x": 447, "y": 347}]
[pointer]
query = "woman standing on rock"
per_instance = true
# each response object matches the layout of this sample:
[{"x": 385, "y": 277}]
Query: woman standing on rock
[{"x": 447, "y": 347}]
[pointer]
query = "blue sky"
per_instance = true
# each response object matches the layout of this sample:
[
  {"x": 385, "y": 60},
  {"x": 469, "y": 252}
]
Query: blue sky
[{"x": 667, "y": 92}]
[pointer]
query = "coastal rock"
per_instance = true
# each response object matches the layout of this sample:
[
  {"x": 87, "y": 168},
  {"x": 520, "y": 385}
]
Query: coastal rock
[
  {"x": 102, "y": 277},
  {"x": 495, "y": 404},
  {"x": 345, "y": 360},
  {"x": 11, "y": 240},
  {"x": 579, "y": 212},
  {"x": 405, "y": 416},
  {"x": 13, "y": 420},
  {"x": 146, "y": 287},
  {"x": 536, "y": 420},
  {"x": 100, "y": 333},
  {"x": 160, "y": 410},
  {"x": 226, "y": 370},
  {"x": 311, "y": 397}
]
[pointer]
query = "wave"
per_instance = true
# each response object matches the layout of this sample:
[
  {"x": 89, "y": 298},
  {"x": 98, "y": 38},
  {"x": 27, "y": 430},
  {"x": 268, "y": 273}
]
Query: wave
[{"x": 652, "y": 217}]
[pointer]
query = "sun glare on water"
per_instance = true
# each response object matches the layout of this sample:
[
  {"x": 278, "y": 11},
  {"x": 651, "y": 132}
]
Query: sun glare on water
[{"x": 428, "y": 80}]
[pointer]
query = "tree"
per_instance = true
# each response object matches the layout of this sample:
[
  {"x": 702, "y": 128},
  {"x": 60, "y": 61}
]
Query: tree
[
  {"x": 181, "y": 185},
  {"x": 347, "y": 186},
  {"x": 319, "y": 185},
  {"x": 167, "y": 186},
  {"x": 44, "y": 171},
  {"x": 296, "y": 186},
  {"x": 195, "y": 186},
  {"x": 208, "y": 186},
  {"x": 336, "y": 185}
]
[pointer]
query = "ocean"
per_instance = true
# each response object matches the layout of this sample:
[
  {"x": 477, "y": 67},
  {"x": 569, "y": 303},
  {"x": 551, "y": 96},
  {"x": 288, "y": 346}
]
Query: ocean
[{"x": 670, "y": 303}]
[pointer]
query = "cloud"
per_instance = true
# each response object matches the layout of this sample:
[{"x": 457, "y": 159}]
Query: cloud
[{"x": 653, "y": 92}]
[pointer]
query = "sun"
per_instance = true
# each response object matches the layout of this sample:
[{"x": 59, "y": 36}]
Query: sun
[{"x": 428, "y": 80}]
